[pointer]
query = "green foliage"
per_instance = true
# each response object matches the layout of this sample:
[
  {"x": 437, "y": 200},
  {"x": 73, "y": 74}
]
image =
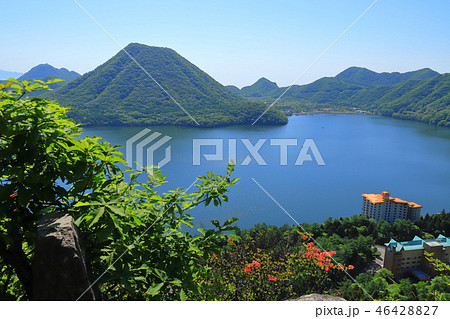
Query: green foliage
[
  {"x": 119, "y": 92},
  {"x": 134, "y": 235}
]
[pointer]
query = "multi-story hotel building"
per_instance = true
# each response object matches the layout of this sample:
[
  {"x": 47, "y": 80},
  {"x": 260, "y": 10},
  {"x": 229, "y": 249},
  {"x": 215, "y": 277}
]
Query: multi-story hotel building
[
  {"x": 382, "y": 206},
  {"x": 408, "y": 257}
]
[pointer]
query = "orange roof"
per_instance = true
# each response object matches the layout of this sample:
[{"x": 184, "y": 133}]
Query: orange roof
[{"x": 379, "y": 198}]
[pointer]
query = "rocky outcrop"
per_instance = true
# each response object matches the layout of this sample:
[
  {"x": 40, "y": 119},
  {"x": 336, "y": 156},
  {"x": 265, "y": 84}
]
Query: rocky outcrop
[
  {"x": 60, "y": 268},
  {"x": 318, "y": 297}
]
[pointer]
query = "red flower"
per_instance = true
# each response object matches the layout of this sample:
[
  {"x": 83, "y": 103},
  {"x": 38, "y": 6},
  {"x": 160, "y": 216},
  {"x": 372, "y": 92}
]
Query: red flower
[
  {"x": 327, "y": 269},
  {"x": 339, "y": 293},
  {"x": 13, "y": 196},
  {"x": 255, "y": 263},
  {"x": 214, "y": 256},
  {"x": 341, "y": 267},
  {"x": 271, "y": 278},
  {"x": 310, "y": 245},
  {"x": 247, "y": 269},
  {"x": 304, "y": 237},
  {"x": 350, "y": 267}
]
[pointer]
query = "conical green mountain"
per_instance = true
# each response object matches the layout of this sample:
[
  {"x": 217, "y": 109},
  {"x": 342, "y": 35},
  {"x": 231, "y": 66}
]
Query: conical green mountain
[
  {"x": 260, "y": 88},
  {"x": 119, "y": 92}
]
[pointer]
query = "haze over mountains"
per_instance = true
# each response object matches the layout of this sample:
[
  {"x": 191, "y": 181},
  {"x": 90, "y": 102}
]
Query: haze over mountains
[
  {"x": 422, "y": 95},
  {"x": 119, "y": 92},
  {"x": 5, "y": 75}
]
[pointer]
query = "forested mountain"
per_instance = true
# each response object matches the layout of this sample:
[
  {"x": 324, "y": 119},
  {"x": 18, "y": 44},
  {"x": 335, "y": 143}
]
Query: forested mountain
[
  {"x": 119, "y": 92},
  {"x": 365, "y": 77},
  {"x": 46, "y": 72},
  {"x": 421, "y": 95},
  {"x": 260, "y": 88},
  {"x": 424, "y": 100},
  {"x": 5, "y": 75}
]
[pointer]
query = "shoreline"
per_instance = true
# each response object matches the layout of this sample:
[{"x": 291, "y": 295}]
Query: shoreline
[{"x": 332, "y": 112}]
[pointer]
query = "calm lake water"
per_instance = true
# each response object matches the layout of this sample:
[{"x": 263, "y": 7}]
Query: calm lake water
[{"x": 362, "y": 153}]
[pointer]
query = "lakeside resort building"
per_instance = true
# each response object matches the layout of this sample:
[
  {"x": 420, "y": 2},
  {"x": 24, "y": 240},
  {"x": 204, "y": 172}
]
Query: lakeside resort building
[
  {"x": 406, "y": 257},
  {"x": 382, "y": 206}
]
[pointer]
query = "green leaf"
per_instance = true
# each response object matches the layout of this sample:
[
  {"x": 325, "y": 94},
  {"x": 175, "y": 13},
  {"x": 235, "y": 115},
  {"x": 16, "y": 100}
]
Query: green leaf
[
  {"x": 182, "y": 295},
  {"x": 100, "y": 213},
  {"x": 155, "y": 289}
]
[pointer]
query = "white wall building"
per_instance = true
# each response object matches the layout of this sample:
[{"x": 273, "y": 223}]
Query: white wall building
[{"x": 382, "y": 206}]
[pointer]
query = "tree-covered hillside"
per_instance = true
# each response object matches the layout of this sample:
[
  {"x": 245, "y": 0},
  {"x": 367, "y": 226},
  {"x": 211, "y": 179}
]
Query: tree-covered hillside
[
  {"x": 45, "y": 72},
  {"x": 365, "y": 77},
  {"x": 421, "y": 95},
  {"x": 119, "y": 92},
  {"x": 423, "y": 100}
]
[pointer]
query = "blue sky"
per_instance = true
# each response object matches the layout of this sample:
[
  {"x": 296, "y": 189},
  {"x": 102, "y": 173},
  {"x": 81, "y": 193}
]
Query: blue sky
[{"x": 236, "y": 42}]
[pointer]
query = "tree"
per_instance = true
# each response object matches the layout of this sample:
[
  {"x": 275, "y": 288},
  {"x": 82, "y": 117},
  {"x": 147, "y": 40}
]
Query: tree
[{"x": 133, "y": 234}]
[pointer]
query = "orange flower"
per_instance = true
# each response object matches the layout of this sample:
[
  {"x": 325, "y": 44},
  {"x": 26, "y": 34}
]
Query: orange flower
[
  {"x": 13, "y": 195},
  {"x": 247, "y": 269},
  {"x": 350, "y": 267},
  {"x": 341, "y": 267},
  {"x": 327, "y": 269},
  {"x": 255, "y": 263},
  {"x": 214, "y": 256},
  {"x": 229, "y": 239},
  {"x": 271, "y": 278}
]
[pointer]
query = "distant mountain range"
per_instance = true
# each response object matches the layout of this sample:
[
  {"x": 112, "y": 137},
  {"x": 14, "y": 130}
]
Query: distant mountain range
[
  {"x": 422, "y": 95},
  {"x": 5, "y": 75},
  {"x": 119, "y": 92}
]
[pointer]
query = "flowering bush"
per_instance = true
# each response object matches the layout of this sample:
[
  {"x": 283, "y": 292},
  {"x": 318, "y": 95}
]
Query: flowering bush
[{"x": 242, "y": 272}]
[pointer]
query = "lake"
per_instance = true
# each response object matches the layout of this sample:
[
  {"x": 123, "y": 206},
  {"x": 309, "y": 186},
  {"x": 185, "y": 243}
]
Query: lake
[{"x": 362, "y": 154}]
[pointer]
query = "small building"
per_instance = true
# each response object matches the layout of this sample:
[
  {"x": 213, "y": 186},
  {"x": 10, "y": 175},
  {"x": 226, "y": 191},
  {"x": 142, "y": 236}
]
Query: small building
[
  {"x": 408, "y": 257},
  {"x": 382, "y": 206}
]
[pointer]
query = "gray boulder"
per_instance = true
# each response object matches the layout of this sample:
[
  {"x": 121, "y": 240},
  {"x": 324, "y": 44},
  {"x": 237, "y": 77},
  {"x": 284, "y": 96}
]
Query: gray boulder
[
  {"x": 60, "y": 268},
  {"x": 318, "y": 297}
]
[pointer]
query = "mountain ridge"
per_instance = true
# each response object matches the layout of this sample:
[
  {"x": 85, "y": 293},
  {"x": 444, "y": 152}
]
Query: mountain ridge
[
  {"x": 392, "y": 94},
  {"x": 118, "y": 92}
]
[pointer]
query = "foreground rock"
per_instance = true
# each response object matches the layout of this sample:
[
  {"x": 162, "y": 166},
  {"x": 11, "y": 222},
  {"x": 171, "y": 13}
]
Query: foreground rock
[
  {"x": 60, "y": 268},
  {"x": 318, "y": 297}
]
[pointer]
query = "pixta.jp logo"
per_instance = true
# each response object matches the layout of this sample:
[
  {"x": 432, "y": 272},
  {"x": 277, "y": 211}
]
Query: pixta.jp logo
[
  {"x": 279, "y": 145},
  {"x": 142, "y": 147},
  {"x": 147, "y": 141}
]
